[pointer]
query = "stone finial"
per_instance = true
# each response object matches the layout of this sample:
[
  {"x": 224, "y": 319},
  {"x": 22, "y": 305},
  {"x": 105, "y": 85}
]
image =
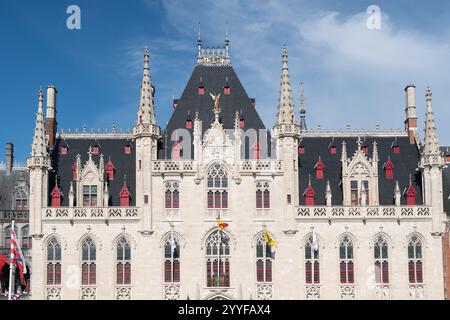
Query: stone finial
[
  {"x": 286, "y": 112},
  {"x": 146, "y": 113},
  {"x": 431, "y": 139},
  {"x": 39, "y": 146}
]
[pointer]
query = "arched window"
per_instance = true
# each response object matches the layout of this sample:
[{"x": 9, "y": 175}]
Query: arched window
[
  {"x": 262, "y": 195},
  {"x": 123, "y": 262},
  {"x": 172, "y": 195},
  {"x": 26, "y": 239},
  {"x": 312, "y": 262},
  {"x": 415, "y": 263},
  {"x": 264, "y": 258},
  {"x": 21, "y": 197},
  {"x": 381, "y": 260},
  {"x": 217, "y": 187},
  {"x": 53, "y": 262},
  {"x": 346, "y": 263},
  {"x": 218, "y": 259},
  {"x": 88, "y": 266},
  {"x": 172, "y": 259}
]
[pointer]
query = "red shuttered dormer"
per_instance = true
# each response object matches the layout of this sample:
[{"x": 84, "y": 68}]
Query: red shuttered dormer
[
  {"x": 319, "y": 168},
  {"x": 410, "y": 195},
  {"x": 127, "y": 149},
  {"x": 110, "y": 170},
  {"x": 75, "y": 171},
  {"x": 124, "y": 197},
  {"x": 389, "y": 169},
  {"x": 56, "y": 197},
  {"x": 176, "y": 151},
  {"x": 309, "y": 195}
]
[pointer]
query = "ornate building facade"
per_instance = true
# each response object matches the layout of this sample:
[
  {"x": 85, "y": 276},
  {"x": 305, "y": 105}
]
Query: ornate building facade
[{"x": 309, "y": 214}]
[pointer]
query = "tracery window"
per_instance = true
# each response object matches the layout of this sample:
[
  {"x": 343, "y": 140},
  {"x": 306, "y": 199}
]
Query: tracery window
[
  {"x": 262, "y": 195},
  {"x": 312, "y": 262},
  {"x": 415, "y": 262},
  {"x": 218, "y": 259},
  {"x": 264, "y": 259},
  {"x": 381, "y": 260},
  {"x": 172, "y": 195},
  {"x": 123, "y": 262},
  {"x": 89, "y": 196},
  {"x": 172, "y": 259},
  {"x": 346, "y": 261},
  {"x": 53, "y": 262},
  {"x": 217, "y": 187},
  {"x": 88, "y": 265},
  {"x": 356, "y": 192},
  {"x": 21, "y": 198}
]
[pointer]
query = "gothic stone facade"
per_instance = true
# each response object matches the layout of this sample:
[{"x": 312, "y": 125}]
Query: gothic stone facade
[{"x": 121, "y": 215}]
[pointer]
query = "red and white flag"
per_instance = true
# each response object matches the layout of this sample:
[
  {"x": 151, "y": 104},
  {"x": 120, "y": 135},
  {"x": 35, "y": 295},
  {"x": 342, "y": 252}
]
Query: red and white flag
[{"x": 17, "y": 256}]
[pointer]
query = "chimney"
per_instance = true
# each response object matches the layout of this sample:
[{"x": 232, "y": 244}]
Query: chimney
[
  {"x": 411, "y": 116},
  {"x": 9, "y": 157},
  {"x": 50, "y": 118}
]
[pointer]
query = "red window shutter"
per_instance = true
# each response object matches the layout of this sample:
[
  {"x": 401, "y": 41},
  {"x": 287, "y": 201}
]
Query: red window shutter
[
  {"x": 242, "y": 123},
  {"x": 258, "y": 199},
  {"x": 110, "y": 170},
  {"x": 167, "y": 271},
  {"x": 411, "y": 196},
  {"x": 119, "y": 273},
  {"x": 332, "y": 150},
  {"x": 389, "y": 170},
  {"x": 411, "y": 272},
  {"x": 92, "y": 273},
  {"x": 56, "y": 197},
  {"x": 259, "y": 271},
  {"x": 74, "y": 171},
  {"x": 396, "y": 149},
  {"x": 419, "y": 272},
  {"x": 308, "y": 272},
  {"x": 127, "y": 273},
  {"x": 309, "y": 196},
  {"x": 316, "y": 272},
  {"x": 343, "y": 272},
  {"x": 351, "y": 273},
  {"x": 385, "y": 270},
  {"x": 124, "y": 197},
  {"x": 50, "y": 278},
  {"x": 57, "y": 267},
  {"x": 268, "y": 270},
  {"x": 201, "y": 90},
  {"x": 226, "y": 90},
  {"x": 176, "y": 271},
  {"x": 365, "y": 149},
  {"x": 319, "y": 167},
  {"x": 127, "y": 149},
  {"x": 188, "y": 124},
  {"x": 301, "y": 150},
  {"x": 84, "y": 274},
  {"x": 95, "y": 149},
  {"x": 63, "y": 150}
]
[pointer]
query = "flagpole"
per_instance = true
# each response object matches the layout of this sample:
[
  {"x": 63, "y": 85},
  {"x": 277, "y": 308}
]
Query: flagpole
[
  {"x": 11, "y": 259},
  {"x": 312, "y": 257}
]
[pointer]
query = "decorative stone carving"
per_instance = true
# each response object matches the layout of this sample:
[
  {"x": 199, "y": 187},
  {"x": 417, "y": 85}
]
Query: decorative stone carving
[
  {"x": 88, "y": 293},
  {"x": 53, "y": 293},
  {"x": 347, "y": 292},
  {"x": 312, "y": 292},
  {"x": 264, "y": 291},
  {"x": 172, "y": 292},
  {"x": 123, "y": 293},
  {"x": 383, "y": 292},
  {"x": 416, "y": 291}
]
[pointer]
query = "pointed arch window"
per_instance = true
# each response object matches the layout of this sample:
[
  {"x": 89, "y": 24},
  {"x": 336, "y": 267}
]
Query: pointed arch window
[
  {"x": 26, "y": 239},
  {"x": 381, "y": 260},
  {"x": 172, "y": 259},
  {"x": 218, "y": 259},
  {"x": 21, "y": 198},
  {"x": 172, "y": 195},
  {"x": 346, "y": 261},
  {"x": 262, "y": 195},
  {"x": 123, "y": 262},
  {"x": 217, "y": 194},
  {"x": 389, "y": 169},
  {"x": 53, "y": 262},
  {"x": 415, "y": 260},
  {"x": 312, "y": 262},
  {"x": 125, "y": 197},
  {"x": 264, "y": 259},
  {"x": 88, "y": 262}
]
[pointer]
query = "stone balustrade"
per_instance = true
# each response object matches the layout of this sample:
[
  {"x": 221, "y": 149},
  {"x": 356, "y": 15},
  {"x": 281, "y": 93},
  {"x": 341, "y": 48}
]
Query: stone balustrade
[{"x": 91, "y": 213}]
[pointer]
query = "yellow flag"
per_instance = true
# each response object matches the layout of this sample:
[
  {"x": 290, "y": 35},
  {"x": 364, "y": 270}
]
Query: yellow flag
[{"x": 268, "y": 239}]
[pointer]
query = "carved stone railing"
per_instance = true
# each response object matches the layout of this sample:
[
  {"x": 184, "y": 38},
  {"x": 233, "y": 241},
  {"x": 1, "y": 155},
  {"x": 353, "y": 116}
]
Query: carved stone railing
[
  {"x": 264, "y": 291},
  {"x": 347, "y": 291},
  {"x": 171, "y": 292},
  {"x": 173, "y": 166},
  {"x": 53, "y": 292},
  {"x": 383, "y": 291},
  {"x": 312, "y": 291},
  {"x": 384, "y": 212},
  {"x": 17, "y": 215},
  {"x": 261, "y": 166},
  {"x": 123, "y": 292},
  {"x": 88, "y": 293},
  {"x": 91, "y": 213},
  {"x": 416, "y": 291}
]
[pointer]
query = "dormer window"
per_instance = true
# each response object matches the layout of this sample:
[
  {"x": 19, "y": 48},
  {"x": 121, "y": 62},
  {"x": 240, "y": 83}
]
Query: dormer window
[
  {"x": 319, "y": 167},
  {"x": 64, "y": 150},
  {"x": 226, "y": 90},
  {"x": 56, "y": 197},
  {"x": 396, "y": 149},
  {"x": 127, "y": 149},
  {"x": 301, "y": 150},
  {"x": 309, "y": 195},
  {"x": 188, "y": 124},
  {"x": 242, "y": 123},
  {"x": 75, "y": 171},
  {"x": 365, "y": 149},
  {"x": 201, "y": 90},
  {"x": 410, "y": 196},
  {"x": 110, "y": 169},
  {"x": 332, "y": 150},
  {"x": 124, "y": 197},
  {"x": 95, "y": 149},
  {"x": 389, "y": 170}
]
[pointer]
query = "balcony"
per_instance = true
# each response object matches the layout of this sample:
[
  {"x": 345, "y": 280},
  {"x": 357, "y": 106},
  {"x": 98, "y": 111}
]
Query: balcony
[
  {"x": 20, "y": 216},
  {"x": 91, "y": 213},
  {"x": 267, "y": 166},
  {"x": 370, "y": 212}
]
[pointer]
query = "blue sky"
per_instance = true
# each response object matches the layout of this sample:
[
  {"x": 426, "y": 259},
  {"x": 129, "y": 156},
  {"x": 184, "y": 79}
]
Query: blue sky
[{"x": 352, "y": 75}]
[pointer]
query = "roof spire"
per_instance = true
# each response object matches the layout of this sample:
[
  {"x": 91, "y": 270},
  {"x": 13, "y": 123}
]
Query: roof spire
[
  {"x": 431, "y": 139},
  {"x": 302, "y": 109},
  {"x": 39, "y": 146},
  {"x": 285, "y": 101},
  {"x": 146, "y": 112}
]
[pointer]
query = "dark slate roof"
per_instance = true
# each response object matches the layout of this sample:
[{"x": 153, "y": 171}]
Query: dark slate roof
[
  {"x": 405, "y": 163},
  {"x": 445, "y": 150},
  {"x": 111, "y": 148},
  {"x": 446, "y": 187},
  {"x": 8, "y": 185},
  {"x": 214, "y": 79}
]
